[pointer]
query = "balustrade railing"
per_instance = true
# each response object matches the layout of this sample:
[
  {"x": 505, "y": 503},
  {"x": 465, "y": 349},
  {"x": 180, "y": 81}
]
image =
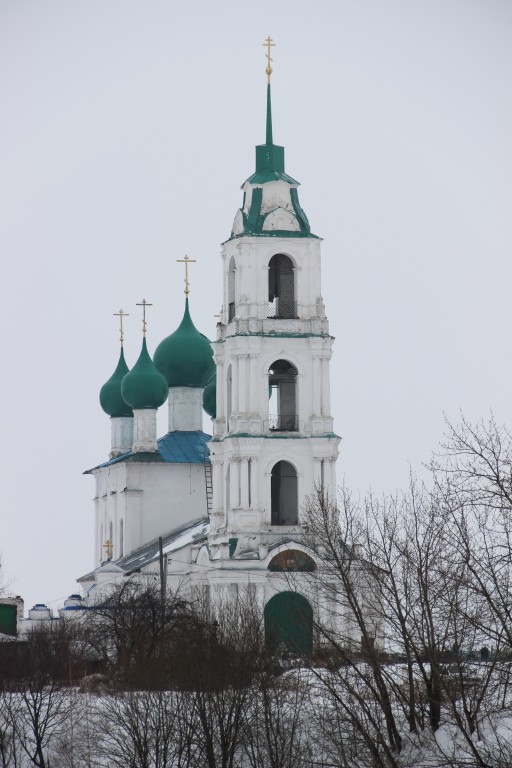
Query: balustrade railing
[
  {"x": 277, "y": 423},
  {"x": 280, "y": 309}
]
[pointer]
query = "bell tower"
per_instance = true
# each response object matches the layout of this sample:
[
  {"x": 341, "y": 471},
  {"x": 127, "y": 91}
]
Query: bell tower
[{"x": 273, "y": 440}]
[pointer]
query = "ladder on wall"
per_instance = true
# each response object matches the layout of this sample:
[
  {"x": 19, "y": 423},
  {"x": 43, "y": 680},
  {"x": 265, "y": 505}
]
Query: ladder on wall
[{"x": 209, "y": 485}]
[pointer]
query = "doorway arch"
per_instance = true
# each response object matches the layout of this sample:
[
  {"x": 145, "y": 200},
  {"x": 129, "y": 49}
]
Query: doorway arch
[{"x": 289, "y": 621}]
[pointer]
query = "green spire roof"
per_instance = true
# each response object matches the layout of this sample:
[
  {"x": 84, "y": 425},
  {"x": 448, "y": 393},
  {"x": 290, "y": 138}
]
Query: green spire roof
[
  {"x": 269, "y": 156},
  {"x": 258, "y": 214},
  {"x": 144, "y": 386},
  {"x": 111, "y": 399},
  {"x": 185, "y": 357},
  {"x": 210, "y": 398}
]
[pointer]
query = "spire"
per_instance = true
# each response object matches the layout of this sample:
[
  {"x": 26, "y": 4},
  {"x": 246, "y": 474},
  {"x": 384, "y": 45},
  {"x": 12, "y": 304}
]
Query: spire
[
  {"x": 269, "y": 44},
  {"x": 269, "y": 157},
  {"x": 269, "y": 118}
]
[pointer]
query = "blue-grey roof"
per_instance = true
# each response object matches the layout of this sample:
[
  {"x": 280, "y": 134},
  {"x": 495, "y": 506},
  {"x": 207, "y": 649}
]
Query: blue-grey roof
[
  {"x": 174, "y": 448},
  {"x": 188, "y": 533}
]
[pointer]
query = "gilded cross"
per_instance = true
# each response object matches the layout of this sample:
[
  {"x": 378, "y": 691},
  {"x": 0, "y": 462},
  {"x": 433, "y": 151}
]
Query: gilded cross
[
  {"x": 144, "y": 304},
  {"x": 268, "y": 44},
  {"x": 186, "y": 261},
  {"x": 120, "y": 315},
  {"x": 108, "y": 547}
]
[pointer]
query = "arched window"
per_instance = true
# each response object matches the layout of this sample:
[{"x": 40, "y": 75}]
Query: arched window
[
  {"x": 281, "y": 287},
  {"x": 289, "y": 622},
  {"x": 283, "y": 494},
  {"x": 231, "y": 289},
  {"x": 282, "y": 378},
  {"x": 121, "y": 538},
  {"x": 101, "y": 542}
]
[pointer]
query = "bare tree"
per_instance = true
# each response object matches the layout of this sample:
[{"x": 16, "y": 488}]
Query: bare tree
[
  {"x": 132, "y": 631},
  {"x": 221, "y": 661},
  {"x": 145, "y": 729},
  {"x": 277, "y": 732},
  {"x": 399, "y": 567},
  {"x": 34, "y": 715},
  {"x": 345, "y": 584}
]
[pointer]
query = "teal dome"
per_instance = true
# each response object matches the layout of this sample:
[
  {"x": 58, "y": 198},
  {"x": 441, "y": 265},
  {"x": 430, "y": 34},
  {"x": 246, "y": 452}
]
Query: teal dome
[
  {"x": 185, "y": 357},
  {"x": 144, "y": 386},
  {"x": 210, "y": 398},
  {"x": 111, "y": 399}
]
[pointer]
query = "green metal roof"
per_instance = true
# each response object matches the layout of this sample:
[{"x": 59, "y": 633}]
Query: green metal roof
[
  {"x": 185, "y": 357},
  {"x": 144, "y": 386},
  {"x": 111, "y": 399},
  {"x": 210, "y": 398},
  {"x": 270, "y": 167}
]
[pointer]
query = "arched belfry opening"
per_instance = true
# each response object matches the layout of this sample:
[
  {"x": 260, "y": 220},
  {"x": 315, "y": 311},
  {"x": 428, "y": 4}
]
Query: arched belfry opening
[
  {"x": 231, "y": 289},
  {"x": 282, "y": 384},
  {"x": 284, "y": 500},
  {"x": 281, "y": 288},
  {"x": 289, "y": 622}
]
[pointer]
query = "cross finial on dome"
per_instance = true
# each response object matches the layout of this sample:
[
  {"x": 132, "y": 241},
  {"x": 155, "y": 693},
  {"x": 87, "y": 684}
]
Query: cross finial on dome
[
  {"x": 268, "y": 44},
  {"x": 186, "y": 261},
  {"x": 120, "y": 315},
  {"x": 144, "y": 304},
  {"x": 108, "y": 547}
]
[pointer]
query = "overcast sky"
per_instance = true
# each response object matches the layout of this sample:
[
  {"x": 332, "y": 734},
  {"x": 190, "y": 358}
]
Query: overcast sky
[{"x": 126, "y": 130}]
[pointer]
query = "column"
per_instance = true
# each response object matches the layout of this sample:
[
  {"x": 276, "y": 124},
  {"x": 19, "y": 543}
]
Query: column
[
  {"x": 316, "y": 387},
  {"x": 242, "y": 385},
  {"x": 234, "y": 482},
  {"x": 218, "y": 486},
  {"x": 326, "y": 396},
  {"x": 254, "y": 483},
  {"x": 317, "y": 474},
  {"x": 221, "y": 390},
  {"x": 234, "y": 388},
  {"x": 244, "y": 483},
  {"x": 254, "y": 384},
  {"x": 334, "y": 490}
]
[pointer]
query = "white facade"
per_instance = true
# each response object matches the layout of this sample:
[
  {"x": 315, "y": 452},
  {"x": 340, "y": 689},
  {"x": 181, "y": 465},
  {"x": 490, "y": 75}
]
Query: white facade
[
  {"x": 137, "y": 501},
  {"x": 246, "y": 444}
]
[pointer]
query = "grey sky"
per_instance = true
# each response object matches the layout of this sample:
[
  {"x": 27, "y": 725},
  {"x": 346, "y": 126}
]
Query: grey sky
[{"x": 126, "y": 131}]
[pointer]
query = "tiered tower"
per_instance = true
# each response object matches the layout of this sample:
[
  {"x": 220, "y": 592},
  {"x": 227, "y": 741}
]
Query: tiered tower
[{"x": 273, "y": 438}]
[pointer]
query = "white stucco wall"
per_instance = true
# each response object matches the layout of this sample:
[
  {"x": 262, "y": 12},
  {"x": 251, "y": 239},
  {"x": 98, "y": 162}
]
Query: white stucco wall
[{"x": 150, "y": 498}]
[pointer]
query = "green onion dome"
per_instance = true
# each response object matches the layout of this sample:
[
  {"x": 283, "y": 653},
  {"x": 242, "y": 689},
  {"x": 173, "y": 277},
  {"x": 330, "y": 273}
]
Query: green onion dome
[
  {"x": 210, "y": 398},
  {"x": 144, "y": 386},
  {"x": 185, "y": 357},
  {"x": 111, "y": 399}
]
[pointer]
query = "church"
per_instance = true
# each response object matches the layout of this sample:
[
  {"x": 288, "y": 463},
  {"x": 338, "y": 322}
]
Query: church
[{"x": 222, "y": 513}]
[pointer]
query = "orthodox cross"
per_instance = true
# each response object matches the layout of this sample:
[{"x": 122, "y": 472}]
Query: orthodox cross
[
  {"x": 108, "y": 547},
  {"x": 186, "y": 261},
  {"x": 120, "y": 315},
  {"x": 144, "y": 304},
  {"x": 268, "y": 44}
]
